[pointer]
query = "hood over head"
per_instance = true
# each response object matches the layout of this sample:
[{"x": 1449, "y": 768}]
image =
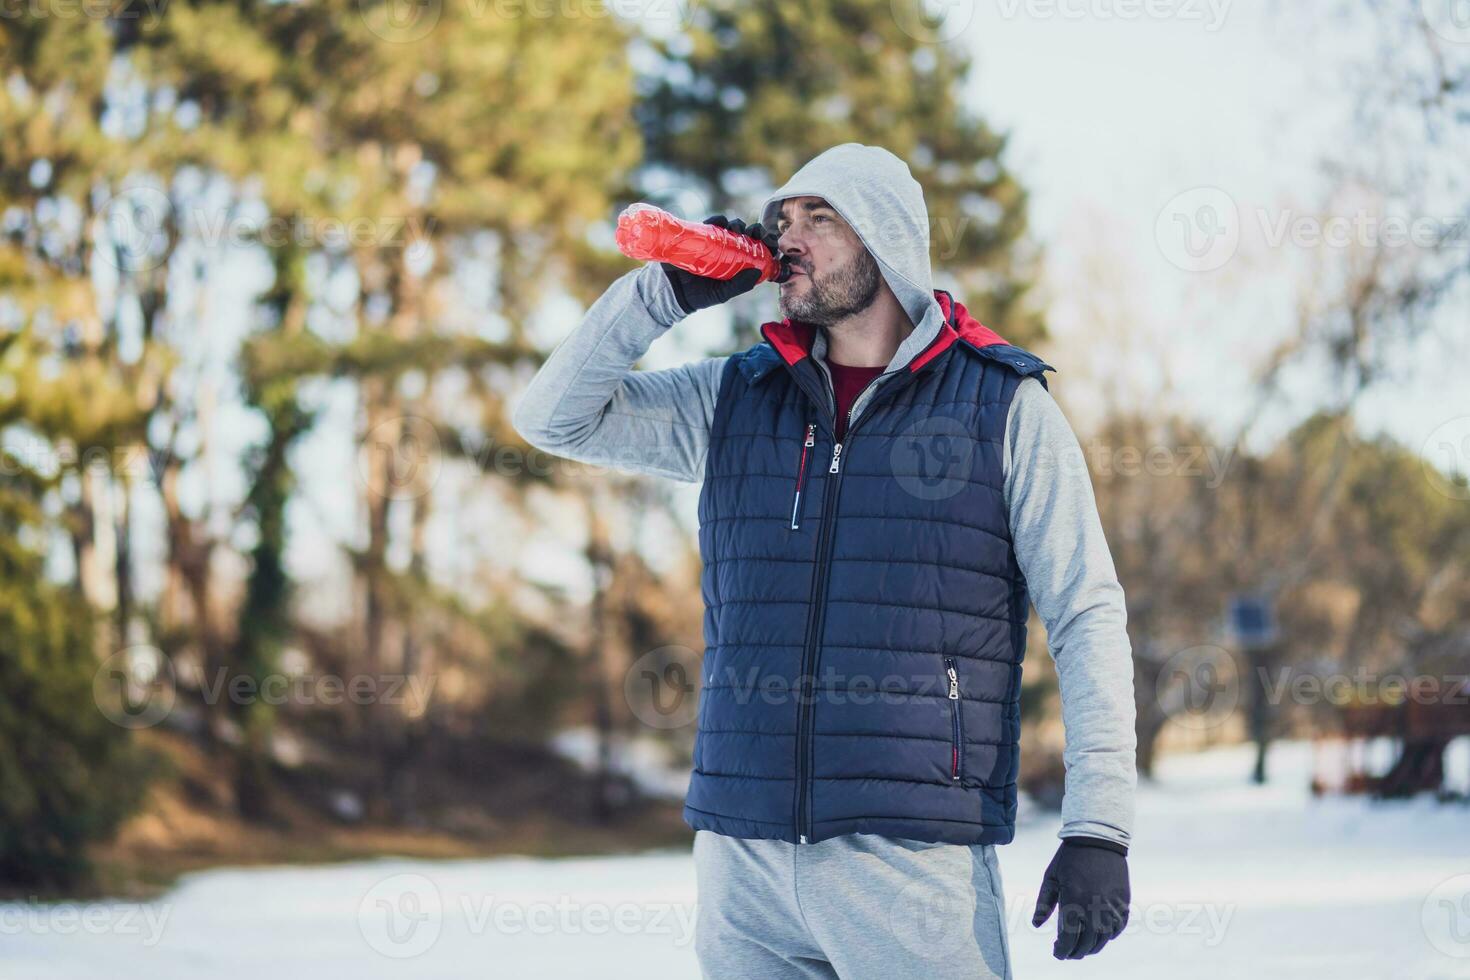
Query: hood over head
[{"x": 876, "y": 194}]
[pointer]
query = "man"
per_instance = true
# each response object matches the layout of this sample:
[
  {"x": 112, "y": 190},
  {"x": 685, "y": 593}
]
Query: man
[{"x": 887, "y": 485}]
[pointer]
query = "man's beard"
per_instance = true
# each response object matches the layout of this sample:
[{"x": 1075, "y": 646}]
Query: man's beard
[{"x": 837, "y": 295}]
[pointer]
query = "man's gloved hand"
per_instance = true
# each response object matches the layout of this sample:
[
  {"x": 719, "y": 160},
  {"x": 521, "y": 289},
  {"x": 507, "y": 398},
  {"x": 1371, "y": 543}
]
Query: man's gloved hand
[
  {"x": 1089, "y": 877},
  {"x": 697, "y": 292}
]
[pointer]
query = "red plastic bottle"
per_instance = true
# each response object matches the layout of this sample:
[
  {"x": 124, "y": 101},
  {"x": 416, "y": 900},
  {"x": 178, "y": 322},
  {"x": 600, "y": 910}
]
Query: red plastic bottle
[{"x": 651, "y": 234}]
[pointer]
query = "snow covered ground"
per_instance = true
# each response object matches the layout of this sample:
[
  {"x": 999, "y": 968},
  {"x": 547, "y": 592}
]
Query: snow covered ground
[{"x": 1229, "y": 881}]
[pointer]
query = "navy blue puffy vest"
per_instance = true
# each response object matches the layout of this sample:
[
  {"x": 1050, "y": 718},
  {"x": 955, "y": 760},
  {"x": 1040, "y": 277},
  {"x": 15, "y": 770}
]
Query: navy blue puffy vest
[{"x": 865, "y": 618}]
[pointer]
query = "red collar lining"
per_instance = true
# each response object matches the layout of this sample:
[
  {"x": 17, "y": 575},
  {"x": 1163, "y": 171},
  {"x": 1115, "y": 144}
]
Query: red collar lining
[{"x": 792, "y": 339}]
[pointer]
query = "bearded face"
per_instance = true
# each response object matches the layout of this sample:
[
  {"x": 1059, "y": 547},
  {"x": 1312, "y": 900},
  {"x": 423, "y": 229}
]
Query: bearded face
[
  {"x": 834, "y": 276},
  {"x": 830, "y": 296}
]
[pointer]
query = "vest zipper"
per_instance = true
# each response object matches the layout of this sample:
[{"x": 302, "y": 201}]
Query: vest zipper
[
  {"x": 957, "y": 724},
  {"x": 819, "y": 615},
  {"x": 806, "y": 447},
  {"x": 809, "y": 650},
  {"x": 819, "y": 601}
]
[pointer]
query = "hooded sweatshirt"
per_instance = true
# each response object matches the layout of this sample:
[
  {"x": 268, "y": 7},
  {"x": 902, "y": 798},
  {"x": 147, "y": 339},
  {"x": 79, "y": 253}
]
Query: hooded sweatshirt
[
  {"x": 877, "y": 196},
  {"x": 875, "y": 193},
  {"x": 589, "y": 404}
]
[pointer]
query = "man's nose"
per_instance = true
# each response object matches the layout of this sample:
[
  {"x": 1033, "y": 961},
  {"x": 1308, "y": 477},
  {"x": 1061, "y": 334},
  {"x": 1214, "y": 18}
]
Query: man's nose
[{"x": 789, "y": 243}]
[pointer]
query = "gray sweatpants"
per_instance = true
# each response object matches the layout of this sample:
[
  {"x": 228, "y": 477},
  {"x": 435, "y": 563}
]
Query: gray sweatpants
[{"x": 854, "y": 907}]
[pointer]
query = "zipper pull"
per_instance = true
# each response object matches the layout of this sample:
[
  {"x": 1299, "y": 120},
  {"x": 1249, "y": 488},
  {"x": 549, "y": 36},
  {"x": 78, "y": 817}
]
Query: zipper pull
[
  {"x": 811, "y": 438},
  {"x": 954, "y": 684},
  {"x": 836, "y": 457}
]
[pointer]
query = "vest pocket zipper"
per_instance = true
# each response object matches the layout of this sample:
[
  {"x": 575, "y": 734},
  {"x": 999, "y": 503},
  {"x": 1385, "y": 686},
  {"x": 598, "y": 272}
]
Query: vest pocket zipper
[
  {"x": 957, "y": 724},
  {"x": 806, "y": 451}
]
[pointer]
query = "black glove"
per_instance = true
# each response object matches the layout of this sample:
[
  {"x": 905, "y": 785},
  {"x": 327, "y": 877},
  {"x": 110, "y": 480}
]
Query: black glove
[
  {"x": 697, "y": 292},
  {"x": 1090, "y": 877}
]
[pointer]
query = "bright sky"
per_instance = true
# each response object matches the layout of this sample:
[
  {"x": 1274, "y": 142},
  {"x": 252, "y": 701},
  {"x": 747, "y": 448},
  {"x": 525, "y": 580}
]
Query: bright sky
[
  {"x": 1139, "y": 127},
  {"x": 1130, "y": 132}
]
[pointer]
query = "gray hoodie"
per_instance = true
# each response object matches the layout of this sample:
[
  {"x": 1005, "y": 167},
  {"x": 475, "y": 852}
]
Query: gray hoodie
[
  {"x": 875, "y": 193},
  {"x": 588, "y": 403}
]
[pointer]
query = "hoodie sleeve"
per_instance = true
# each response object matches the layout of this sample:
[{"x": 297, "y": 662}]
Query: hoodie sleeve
[
  {"x": 1069, "y": 571},
  {"x": 587, "y": 403}
]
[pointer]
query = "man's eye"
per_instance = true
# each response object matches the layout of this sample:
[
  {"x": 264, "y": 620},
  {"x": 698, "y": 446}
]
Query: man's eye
[{"x": 819, "y": 217}]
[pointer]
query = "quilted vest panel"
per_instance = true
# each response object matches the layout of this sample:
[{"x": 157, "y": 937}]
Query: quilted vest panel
[{"x": 865, "y": 617}]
